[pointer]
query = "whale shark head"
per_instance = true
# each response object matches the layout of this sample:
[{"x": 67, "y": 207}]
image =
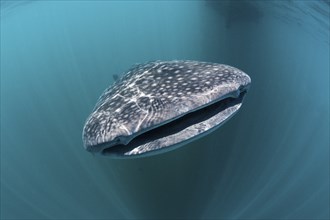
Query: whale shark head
[{"x": 161, "y": 105}]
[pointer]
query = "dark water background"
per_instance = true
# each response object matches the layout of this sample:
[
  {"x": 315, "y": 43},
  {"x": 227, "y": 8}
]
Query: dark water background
[{"x": 271, "y": 161}]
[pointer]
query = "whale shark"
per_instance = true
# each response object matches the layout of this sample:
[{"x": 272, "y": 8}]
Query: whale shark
[{"x": 159, "y": 106}]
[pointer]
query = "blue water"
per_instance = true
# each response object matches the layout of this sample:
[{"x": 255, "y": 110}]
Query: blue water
[{"x": 270, "y": 161}]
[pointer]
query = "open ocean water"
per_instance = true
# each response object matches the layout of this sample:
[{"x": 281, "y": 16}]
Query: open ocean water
[{"x": 270, "y": 161}]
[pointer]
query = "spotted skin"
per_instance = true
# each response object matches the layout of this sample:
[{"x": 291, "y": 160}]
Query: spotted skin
[{"x": 152, "y": 94}]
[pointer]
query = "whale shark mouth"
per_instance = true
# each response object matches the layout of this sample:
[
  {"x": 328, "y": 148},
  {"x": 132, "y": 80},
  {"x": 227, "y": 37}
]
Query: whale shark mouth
[{"x": 179, "y": 130}]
